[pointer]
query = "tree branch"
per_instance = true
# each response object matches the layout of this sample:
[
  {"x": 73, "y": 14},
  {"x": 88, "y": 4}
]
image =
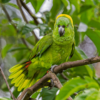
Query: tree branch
[
  {"x": 58, "y": 69},
  {"x": 64, "y": 77},
  {"x": 7, "y": 84},
  {"x": 10, "y": 20},
  {"x": 67, "y": 65},
  {"x": 29, "y": 11},
  {"x": 24, "y": 17}
]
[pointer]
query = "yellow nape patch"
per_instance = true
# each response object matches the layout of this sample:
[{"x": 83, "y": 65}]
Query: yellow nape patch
[{"x": 65, "y": 15}]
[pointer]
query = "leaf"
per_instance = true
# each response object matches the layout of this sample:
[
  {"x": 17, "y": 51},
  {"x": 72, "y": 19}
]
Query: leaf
[
  {"x": 35, "y": 95},
  {"x": 5, "y": 98},
  {"x": 27, "y": 28},
  {"x": 87, "y": 15},
  {"x": 36, "y": 4},
  {"x": 86, "y": 70},
  {"x": 47, "y": 94},
  {"x": 5, "y": 1},
  {"x": 5, "y": 50},
  {"x": 85, "y": 94},
  {"x": 31, "y": 40},
  {"x": 57, "y": 7},
  {"x": 74, "y": 85},
  {"x": 94, "y": 96},
  {"x": 94, "y": 35},
  {"x": 7, "y": 30},
  {"x": 76, "y": 3},
  {"x": 95, "y": 24},
  {"x": 13, "y": 5},
  {"x": 65, "y": 2}
]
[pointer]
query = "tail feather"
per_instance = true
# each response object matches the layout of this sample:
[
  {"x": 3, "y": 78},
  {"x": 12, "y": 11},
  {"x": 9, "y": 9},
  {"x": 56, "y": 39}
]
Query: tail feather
[
  {"x": 19, "y": 74},
  {"x": 16, "y": 68}
]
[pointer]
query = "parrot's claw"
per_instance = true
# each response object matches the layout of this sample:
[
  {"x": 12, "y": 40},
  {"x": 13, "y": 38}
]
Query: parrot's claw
[
  {"x": 52, "y": 68},
  {"x": 52, "y": 84}
]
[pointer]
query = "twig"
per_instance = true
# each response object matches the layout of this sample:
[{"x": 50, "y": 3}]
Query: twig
[
  {"x": 10, "y": 20},
  {"x": 7, "y": 84},
  {"x": 24, "y": 17},
  {"x": 58, "y": 69},
  {"x": 63, "y": 76},
  {"x": 8, "y": 17},
  {"x": 29, "y": 11}
]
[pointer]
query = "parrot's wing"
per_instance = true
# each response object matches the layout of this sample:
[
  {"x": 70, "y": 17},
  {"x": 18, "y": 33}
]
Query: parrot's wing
[
  {"x": 73, "y": 49},
  {"x": 42, "y": 46}
]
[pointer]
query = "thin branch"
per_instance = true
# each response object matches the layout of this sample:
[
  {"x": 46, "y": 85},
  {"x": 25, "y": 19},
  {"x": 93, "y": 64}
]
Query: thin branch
[
  {"x": 29, "y": 11},
  {"x": 8, "y": 17},
  {"x": 7, "y": 84},
  {"x": 58, "y": 69},
  {"x": 24, "y": 17},
  {"x": 10, "y": 20},
  {"x": 63, "y": 76}
]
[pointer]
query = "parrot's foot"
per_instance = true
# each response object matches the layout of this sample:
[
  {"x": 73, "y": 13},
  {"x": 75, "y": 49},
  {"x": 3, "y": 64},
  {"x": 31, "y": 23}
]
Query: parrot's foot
[
  {"x": 52, "y": 68},
  {"x": 52, "y": 84}
]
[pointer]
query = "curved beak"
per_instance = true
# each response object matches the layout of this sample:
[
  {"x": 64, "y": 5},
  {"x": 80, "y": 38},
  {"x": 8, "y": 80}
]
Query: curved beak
[{"x": 61, "y": 31}]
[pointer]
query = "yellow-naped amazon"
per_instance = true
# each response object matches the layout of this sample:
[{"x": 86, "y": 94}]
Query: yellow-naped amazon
[{"x": 52, "y": 49}]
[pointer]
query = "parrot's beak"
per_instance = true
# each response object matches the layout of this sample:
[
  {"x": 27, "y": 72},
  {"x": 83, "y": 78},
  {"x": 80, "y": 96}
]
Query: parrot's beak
[{"x": 61, "y": 31}]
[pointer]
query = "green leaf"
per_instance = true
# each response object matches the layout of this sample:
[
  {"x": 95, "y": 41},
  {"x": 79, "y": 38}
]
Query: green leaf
[
  {"x": 57, "y": 7},
  {"x": 94, "y": 35},
  {"x": 85, "y": 94},
  {"x": 47, "y": 94},
  {"x": 5, "y": 1},
  {"x": 13, "y": 5},
  {"x": 5, "y": 50},
  {"x": 39, "y": 4},
  {"x": 65, "y": 2},
  {"x": 94, "y": 24},
  {"x": 28, "y": 28},
  {"x": 76, "y": 3},
  {"x": 87, "y": 70},
  {"x": 31, "y": 40},
  {"x": 94, "y": 96},
  {"x": 74, "y": 85},
  {"x": 87, "y": 15},
  {"x": 35, "y": 95},
  {"x": 5, "y": 98},
  {"x": 36, "y": 4}
]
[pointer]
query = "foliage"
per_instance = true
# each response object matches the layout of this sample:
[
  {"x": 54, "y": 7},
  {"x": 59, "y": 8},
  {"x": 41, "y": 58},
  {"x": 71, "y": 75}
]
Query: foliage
[{"x": 19, "y": 42}]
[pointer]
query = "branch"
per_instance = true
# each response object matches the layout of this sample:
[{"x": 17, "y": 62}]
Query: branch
[
  {"x": 67, "y": 65},
  {"x": 10, "y": 20},
  {"x": 7, "y": 84},
  {"x": 63, "y": 76},
  {"x": 29, "y": 11},
  {"x": 58, "y": 69},
  {"x": 8, "y": 17},
  {"x": 24, "y": 17}
]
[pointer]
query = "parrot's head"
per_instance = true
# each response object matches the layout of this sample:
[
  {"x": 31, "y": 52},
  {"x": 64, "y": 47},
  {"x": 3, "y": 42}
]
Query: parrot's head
[{"x": 63, "y": 29}]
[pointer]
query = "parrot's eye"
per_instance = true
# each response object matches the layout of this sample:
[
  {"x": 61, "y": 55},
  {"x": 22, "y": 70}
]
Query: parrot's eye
[
  {"x": 63, "y": 26},
  {"x": 67, "y": 25},
  {"x": 58, "y": 25}
]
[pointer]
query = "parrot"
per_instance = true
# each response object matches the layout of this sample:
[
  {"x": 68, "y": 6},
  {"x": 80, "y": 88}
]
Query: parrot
[{"x": 53, "y": 49}]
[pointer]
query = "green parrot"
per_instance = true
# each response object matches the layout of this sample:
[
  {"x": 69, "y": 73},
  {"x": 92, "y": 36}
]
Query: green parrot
[{"x": 52, "y": 49}]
